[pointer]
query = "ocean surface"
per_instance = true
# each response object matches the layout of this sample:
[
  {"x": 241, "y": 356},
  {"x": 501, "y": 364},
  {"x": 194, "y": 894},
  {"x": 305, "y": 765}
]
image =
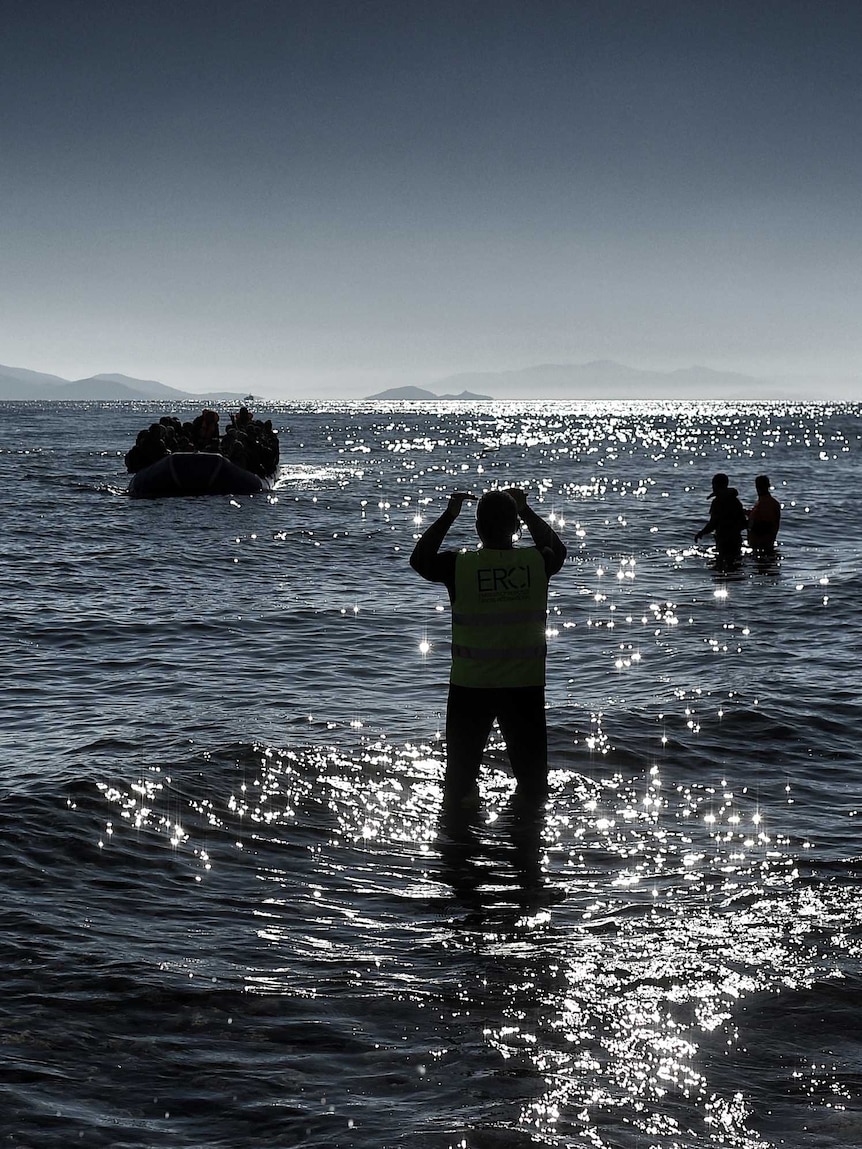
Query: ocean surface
[{"x": 231, "y": 915}]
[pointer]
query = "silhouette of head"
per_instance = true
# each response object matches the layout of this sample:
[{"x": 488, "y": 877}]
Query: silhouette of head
[
  {"x": 497, "y": 519},
  {"x": 762, "y": 484},
  {"x": 719, "y": 483}
]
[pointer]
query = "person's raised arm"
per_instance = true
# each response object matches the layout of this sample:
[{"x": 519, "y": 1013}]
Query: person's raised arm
[
  {"x": 425, "y": 551},
  {"x": 541, "y": 532}
]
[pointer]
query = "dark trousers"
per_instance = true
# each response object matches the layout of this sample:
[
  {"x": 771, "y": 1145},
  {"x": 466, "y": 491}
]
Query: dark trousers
[{"x": 520, "y": 714}]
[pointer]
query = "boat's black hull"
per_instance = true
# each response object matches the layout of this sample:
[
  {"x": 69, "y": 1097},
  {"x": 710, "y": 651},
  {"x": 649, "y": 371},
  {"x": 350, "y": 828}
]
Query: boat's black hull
[{"x": 194, "y": 473}]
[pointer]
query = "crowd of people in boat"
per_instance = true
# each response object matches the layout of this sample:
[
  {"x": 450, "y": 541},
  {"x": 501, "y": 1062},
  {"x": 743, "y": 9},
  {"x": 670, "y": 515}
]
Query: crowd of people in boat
[{"x": 248, "y": 442}]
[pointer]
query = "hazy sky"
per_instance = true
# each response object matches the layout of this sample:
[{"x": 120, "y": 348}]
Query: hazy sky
[{"x": 308, "y": 197}]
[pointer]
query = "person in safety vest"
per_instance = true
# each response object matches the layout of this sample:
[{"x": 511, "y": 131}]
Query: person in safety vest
[
  {"x": 499, "y": 600},
  {"x": 764, "y": 518}
]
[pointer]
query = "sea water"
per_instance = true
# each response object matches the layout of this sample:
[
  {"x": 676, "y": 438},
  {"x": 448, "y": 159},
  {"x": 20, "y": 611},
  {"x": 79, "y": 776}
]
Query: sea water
[{"x": 231, "y": 914}]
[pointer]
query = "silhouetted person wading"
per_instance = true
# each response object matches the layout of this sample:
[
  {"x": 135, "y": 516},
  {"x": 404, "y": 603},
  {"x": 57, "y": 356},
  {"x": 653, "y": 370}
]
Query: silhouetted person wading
[
  {"x": 727, "y": 520},
  {"x": 499, "y": 599},
  {"x": 764, "y": 518}
]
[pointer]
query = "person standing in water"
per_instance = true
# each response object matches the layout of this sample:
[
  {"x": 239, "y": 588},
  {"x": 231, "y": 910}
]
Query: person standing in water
[
  {"x": 764, "y": 518},
  {"x": 727, "y": 520},
  {"x": 499, "y": 600}
]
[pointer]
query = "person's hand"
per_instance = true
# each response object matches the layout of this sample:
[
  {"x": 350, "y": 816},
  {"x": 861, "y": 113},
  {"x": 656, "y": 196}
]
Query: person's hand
[
  {"x": 698, "y": 537},
  {"x": 519, "y": 496},
  {"x": 456, "y": 502}
]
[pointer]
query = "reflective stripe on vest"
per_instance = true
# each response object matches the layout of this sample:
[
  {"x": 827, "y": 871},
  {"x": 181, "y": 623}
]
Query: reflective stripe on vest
[{"x": 499, "y": 615}]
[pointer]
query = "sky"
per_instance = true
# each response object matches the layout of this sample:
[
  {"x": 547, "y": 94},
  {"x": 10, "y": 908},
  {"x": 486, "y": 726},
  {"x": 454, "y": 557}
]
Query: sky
[{"x": 324, "y": 198}]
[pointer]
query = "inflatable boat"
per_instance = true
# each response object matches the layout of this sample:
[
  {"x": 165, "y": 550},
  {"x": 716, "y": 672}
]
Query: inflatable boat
[{"x": 195, "y": 473}]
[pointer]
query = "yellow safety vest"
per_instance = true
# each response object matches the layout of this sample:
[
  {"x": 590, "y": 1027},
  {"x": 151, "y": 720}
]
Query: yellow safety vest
[{"x": 499, "y": 615}]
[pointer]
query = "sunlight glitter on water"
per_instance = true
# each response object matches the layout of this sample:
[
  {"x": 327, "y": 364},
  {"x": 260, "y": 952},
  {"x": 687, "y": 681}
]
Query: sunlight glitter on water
[
  {"x": 625, "y": 973},
  {"x": 624, "y": 935}
]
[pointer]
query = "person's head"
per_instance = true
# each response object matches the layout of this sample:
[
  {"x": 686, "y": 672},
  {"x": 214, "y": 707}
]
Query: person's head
[
  {"x": 762, "y": 484},
  {"x": 497, "y": 519},
  {"x": 720, "y": 483}
]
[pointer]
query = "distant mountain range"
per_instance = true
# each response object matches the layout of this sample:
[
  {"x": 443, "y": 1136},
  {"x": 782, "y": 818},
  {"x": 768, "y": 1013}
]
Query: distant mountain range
[
  {"x": 17, "y": 383},
  {"x": 600, "y": 379},
  {"x": 604, "y": 379},
  {"x": 421, "y": 393}
]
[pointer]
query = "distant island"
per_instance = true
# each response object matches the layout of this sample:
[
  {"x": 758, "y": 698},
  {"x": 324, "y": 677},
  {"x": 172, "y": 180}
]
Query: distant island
[
  {"x": 605, "y": 379},
  {"x": 20, "y": 385},
  {"x": 416, "y": 393}
]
